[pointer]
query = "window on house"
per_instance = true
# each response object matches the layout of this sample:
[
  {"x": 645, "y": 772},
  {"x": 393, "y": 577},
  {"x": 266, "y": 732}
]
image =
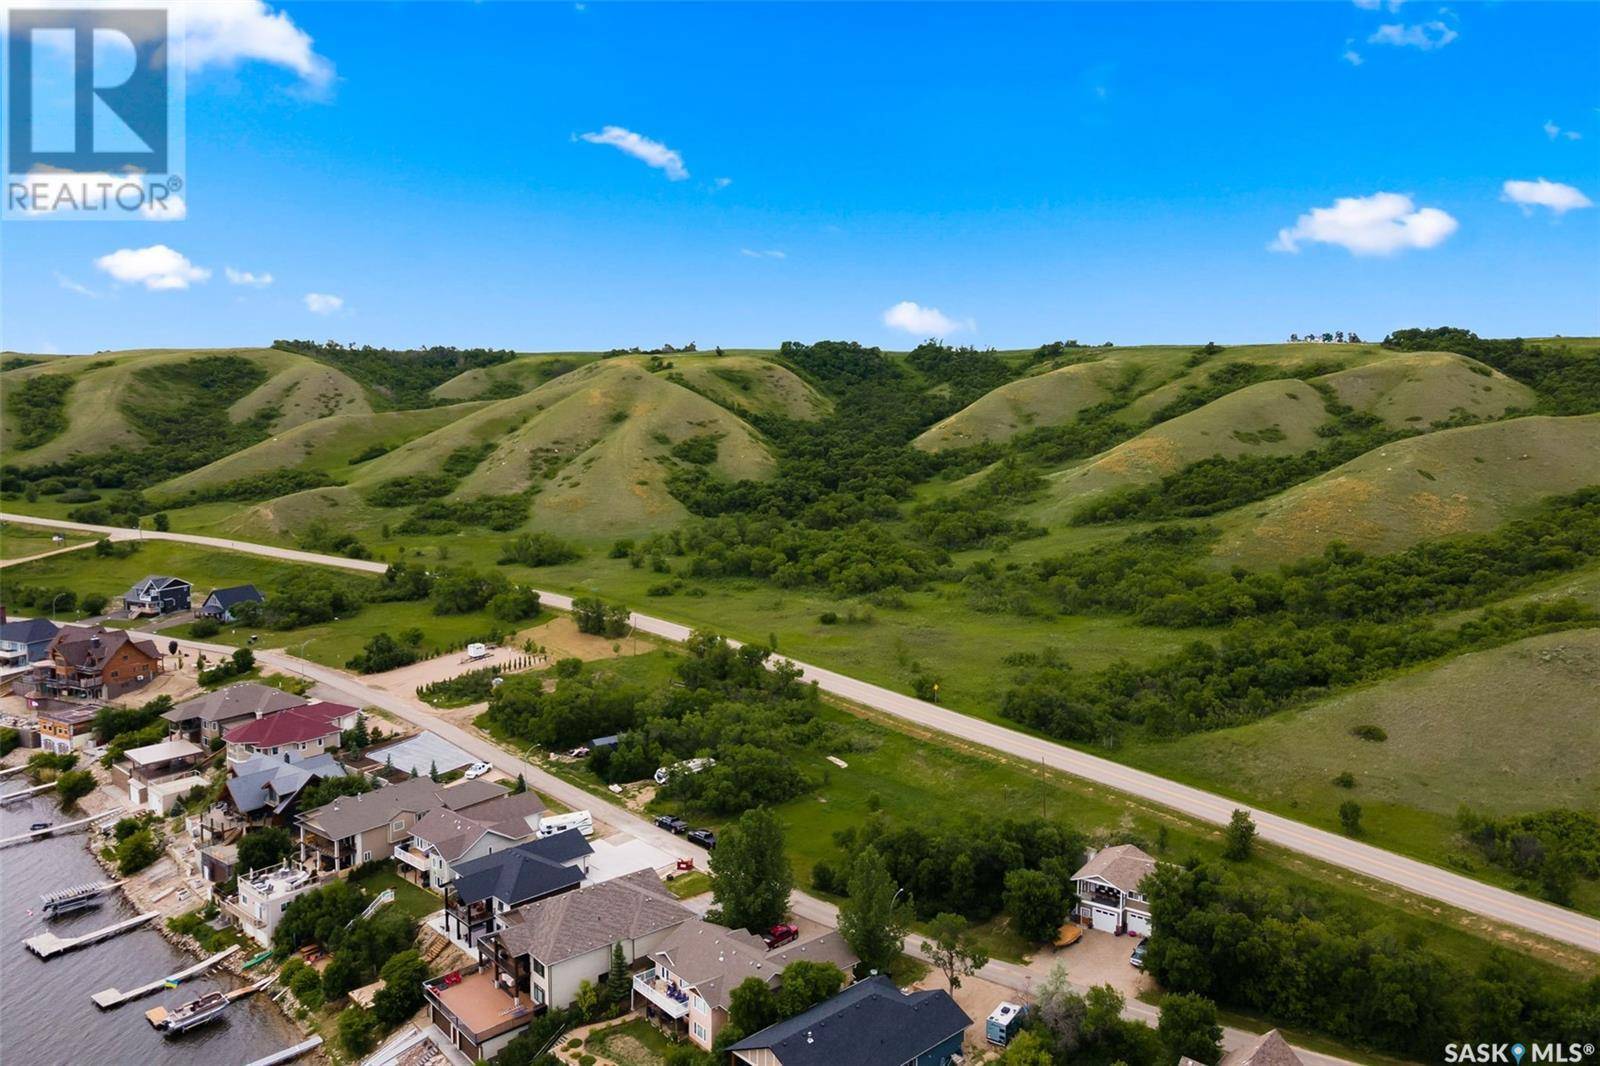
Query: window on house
[{"x": 538, "y": 967}]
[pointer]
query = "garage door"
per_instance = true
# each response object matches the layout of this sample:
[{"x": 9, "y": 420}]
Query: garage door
[
  {"x": 1102, "y": 919},
  {"x": 1139, "y": 923}
]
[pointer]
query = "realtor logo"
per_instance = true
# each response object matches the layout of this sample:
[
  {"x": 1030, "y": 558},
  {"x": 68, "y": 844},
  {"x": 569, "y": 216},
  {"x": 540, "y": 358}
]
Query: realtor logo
[{"x": 93, "y": 115}]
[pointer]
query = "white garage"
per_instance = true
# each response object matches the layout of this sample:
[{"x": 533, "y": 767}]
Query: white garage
[
  {"x": 1102, "y": 919},
  {"x": 1138, "y": 923}
]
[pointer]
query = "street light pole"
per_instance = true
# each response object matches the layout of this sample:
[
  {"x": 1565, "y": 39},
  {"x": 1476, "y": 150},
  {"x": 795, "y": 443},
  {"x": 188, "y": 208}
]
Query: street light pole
[{"x": 55, "y": 601}]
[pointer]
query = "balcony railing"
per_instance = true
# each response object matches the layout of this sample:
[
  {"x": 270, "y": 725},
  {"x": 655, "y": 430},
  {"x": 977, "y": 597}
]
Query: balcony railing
[
  {"x": 671, "y": 999},
  {"x": 412, "y": 858}
]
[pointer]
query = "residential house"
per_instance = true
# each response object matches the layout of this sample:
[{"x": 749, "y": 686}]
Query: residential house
[
  {"x": 220, "y": 604},
  {"x": 291, "y": 735},
  {"x": 1268, "y": 1049},
  {"x": 1109, "y": 895},
  {"x": 697, "y": 966},
  {"x": 545, "y": 949},
  {"x": 355, "y": 829},
  {"x": 159, "y": 775},
  {"x": 25, "y": 641},
  {"x": 205, "y": 718},
  {"x": 484, "y": 889},
  {"x": 263, "y": 789},
  {"x": 263, "y": 897},
  {"x": 64, "y": 727},
  {"x": 871, "y": 1023},
  {"x": 95, "y": 664},
  {"x": 157, "y": 594},
  {"x": 445, "y": 837}
]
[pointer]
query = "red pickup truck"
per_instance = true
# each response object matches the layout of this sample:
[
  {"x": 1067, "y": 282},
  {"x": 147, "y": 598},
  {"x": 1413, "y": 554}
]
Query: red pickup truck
[{"x": 780, "y": 935}]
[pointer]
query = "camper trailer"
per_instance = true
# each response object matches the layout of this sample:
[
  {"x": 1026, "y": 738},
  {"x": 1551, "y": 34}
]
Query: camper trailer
[{"x": 1005, "y": 1023}]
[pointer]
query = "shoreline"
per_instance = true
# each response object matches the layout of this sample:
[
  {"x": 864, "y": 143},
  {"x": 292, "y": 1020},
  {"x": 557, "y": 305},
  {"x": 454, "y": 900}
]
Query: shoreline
[{"x": 152, "y": 889}]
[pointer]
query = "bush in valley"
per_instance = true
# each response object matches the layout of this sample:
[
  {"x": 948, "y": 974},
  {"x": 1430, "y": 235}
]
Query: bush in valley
[
  {"x": 201, "y": 628},
  {"x": 312, "y": 595},
  {"x": 500, "y": 513},
  {"x": 1375, "y": 733},
  {"x": 382, "y": 653},
  {"x": 1269, "y": 951},
  {"x": 700, "y": 449},
  {"x": 409, "y": 489},
  {"x": 358, "y": 1031},
  {"x": 538, "y": 549},
  {"x": 318, "y": 535},
  {"x": 73, "y": 785},
  {"x": 1550, "y": 849},
  {"x": 38, "y": 406},
  {"x": 265, "y": 486},
  {"x": 976, "y": 517},
  {"x": 1567, "y": 382},
  {"x": 403, "y": 378}
]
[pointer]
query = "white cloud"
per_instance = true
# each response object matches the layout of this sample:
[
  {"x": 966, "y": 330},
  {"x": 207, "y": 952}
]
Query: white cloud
[
  {"x": 170, "y": 208},
  {"x": 227, "y": 33},
  {"x": 245, "y": 277},
  {"x": 923, "y": 321},
  {"x": 1352, "y": 57},
  {"x": 74, "y": 286},
  {"x": 1552, "y": 131},
  {"x": 156, "y": 267},
  {"x": 642, "y": 148},
  {"x": 763, "y": 253},
  {"x": 1427, "y": 36},
  {"x": 723, "y": 183},
  {"x": 1380, "y": 224},
  {"x": 1374, "y": 5},
  {"x": 321, "y": 303},
  {"x": 1557, "y": 197}
]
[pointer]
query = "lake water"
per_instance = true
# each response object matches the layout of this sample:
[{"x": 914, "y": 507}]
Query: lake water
[{"x": 46, "y": 1016}]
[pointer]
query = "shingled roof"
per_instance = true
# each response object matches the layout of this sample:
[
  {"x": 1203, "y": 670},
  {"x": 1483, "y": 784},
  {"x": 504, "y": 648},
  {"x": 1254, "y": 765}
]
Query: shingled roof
[
  {"x": 246, "y": 699},
  {"x": 714, "y": 960},
  {"x": 88, "y": 649},
  {"x": 871, "y": 1023},
  {"x": 349, "y": 815},
  {"x": 453, "y": 833},
  {"x": 1123, "y": 866},
  {"x": 1269, "y": 1049},
  {"x": 525, "y": 872},
  {"x": 595, "y": 916},
  {"x": 309, "y": 721}
]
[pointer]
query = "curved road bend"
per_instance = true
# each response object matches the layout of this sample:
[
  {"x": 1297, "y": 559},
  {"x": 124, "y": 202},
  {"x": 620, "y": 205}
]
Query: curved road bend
[
  {"x": 1422, "y": 878},
  {"x": 330, "y": 681}
]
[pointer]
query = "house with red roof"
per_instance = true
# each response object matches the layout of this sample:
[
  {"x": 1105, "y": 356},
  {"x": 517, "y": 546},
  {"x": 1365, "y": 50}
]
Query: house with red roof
[{"x": 293, "y": 734}]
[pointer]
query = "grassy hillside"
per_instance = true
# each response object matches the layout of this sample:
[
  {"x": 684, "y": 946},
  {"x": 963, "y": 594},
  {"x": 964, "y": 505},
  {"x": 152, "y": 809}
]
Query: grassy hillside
[
  {"x": 743, "y": 382},
  {"x": 1420, "y": 388},
  {"x": 1454, "y": 481},
  {"x": 1046, "y": 399},
  {"x": 507, "y": 379}
]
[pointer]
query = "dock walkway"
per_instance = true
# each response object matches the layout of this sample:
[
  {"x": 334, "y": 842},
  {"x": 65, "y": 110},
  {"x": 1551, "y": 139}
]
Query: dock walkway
[
  {"x": 48, "y": 945},
  {"x": 24, "y": 793},
  {"x": 35, "y": 834},
  {"x": 115, "y": 997},
  {"x": 288, "y": 1054}
]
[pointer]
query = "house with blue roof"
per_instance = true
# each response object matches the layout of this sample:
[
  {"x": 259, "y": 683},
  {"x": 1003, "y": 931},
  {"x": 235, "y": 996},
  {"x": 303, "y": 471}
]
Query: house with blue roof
[
  {"x": 871, "y": 1023},
  {"x": 486, "y": 888},
  {"x": 222, "y": 603},
  {"x": 26, "y": 641}
]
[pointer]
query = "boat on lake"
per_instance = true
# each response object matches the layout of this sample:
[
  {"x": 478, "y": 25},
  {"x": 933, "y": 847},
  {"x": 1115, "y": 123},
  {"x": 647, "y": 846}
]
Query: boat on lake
[
  {"x": 191, "y": 1015},
  {"x": 76, "y": 898}
]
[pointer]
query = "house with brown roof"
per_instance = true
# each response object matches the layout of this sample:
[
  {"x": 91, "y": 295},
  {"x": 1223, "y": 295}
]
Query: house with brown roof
[
  {"x": 293, "y": 734},
  {"x": 1110, "y": 896},
  {"x": 445, "y": 838},
  {"x": 697, "y": 966},
  {"x": 94, "y": 663},
  {"x": 207, "y": 717},
  {"x": 1268, "y": 1049},
  {"x": 367, "y": 828}
]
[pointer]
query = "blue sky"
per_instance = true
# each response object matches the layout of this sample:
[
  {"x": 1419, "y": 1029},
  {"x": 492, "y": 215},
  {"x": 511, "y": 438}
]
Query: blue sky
[{"x": 1003, "y": 175}]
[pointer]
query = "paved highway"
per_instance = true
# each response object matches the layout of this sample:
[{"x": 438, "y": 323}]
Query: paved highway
[{"x": 1422, "y": 878}]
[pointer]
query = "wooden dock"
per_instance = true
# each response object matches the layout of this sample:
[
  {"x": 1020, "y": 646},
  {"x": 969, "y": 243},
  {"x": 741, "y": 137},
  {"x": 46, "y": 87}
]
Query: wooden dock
[
  {"x": 115, "y": 997},
  {"x": 8, "y": 771},
  {"x": 48, "y": 945},
  {"x": 34, "y": 791},
  {"x": 288, "y": 1054},
  {"x": 23, "y": 838},
  {"x": 156, "y": 1015}
]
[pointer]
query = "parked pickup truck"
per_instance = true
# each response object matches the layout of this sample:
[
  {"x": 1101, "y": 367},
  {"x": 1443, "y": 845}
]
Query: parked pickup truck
[
  {"x": 673, "y": 824},
  {"x": 780, "y": 935},
  {"x": 704, "y": 837}
]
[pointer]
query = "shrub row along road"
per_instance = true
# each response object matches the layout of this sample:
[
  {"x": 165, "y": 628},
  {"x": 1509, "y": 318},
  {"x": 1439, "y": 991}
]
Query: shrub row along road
[{"x": 1424, "y": 879}]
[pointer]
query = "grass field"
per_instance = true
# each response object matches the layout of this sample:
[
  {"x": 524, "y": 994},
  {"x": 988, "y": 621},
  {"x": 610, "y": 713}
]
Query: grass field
[
  {"x": 632, "y": 1043},
  {"x": 1504, "y": 731},
  {"x": 1454, "y": 481},
  {"x": 415, "y": 903},
  {"x": 19, "y": 541}
]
